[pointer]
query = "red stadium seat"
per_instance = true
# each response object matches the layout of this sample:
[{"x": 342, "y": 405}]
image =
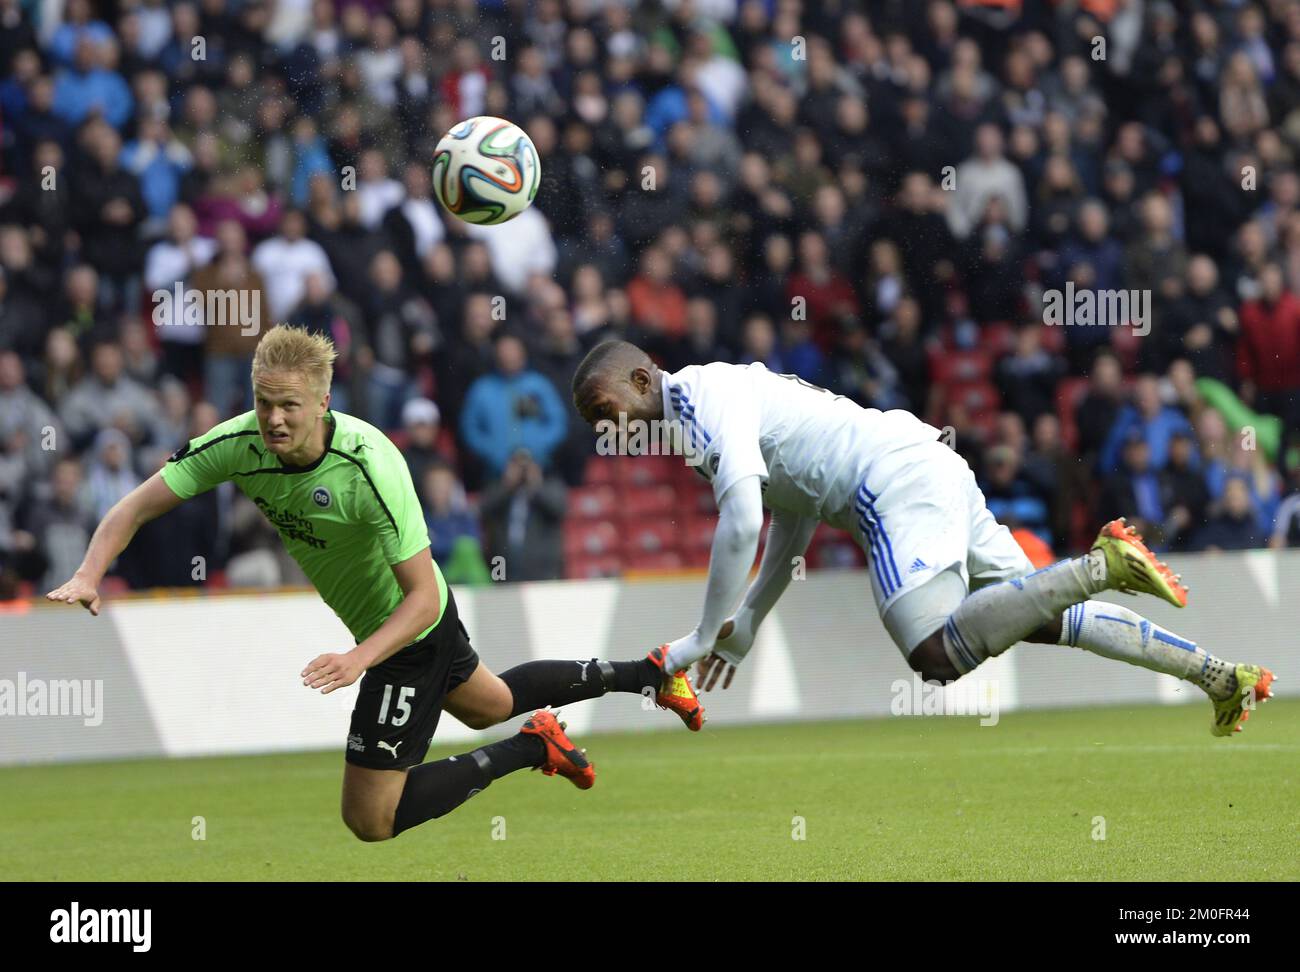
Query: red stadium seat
[
  {"x": 998, "y": 338},
  {"x": 1053, "y": 339},
  {"x": 590, "y": 538},
  {"x": 648, "y": 536},
  {"x": 697, "y": 558},
  {"x": 582, "y": 567},
  {"x": 1069, "y": 393},
  {"x": 592, "y": 502},
  {"x": 647, "y": 470},
  {"x": 1126, "y": 344},
  {"x": 977, "y": 397},
  {"x": 699, "y": 498},
  {"x": 663, "y": 560},
  {"x": 697, "y": 532},
  {"x": 960, "y": 367},
  {"x": 601, "y": 469},
  {"x": 647, "y": 500}
]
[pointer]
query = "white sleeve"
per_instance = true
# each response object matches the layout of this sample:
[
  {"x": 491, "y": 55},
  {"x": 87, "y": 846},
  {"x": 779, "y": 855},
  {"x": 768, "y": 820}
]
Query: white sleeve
[
  {"x": 735, "y": 541},
  {"x": 788, "y": 537}
]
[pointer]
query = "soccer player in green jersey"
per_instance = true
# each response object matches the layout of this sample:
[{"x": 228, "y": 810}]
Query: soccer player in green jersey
[{"x": 340, "y": 495}]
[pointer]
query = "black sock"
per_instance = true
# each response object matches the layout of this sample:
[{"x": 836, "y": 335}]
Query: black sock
[
  {"x": 538, "y": 684},
  {"x": 433, "y": 790},
  {"x": 520, "y": 751},
  {"x": 634, "y": 676}
]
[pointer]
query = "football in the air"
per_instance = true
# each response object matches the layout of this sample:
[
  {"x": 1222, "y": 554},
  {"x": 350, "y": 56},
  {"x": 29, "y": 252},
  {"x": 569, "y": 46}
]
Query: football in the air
[{"x": 485, "y": 170}]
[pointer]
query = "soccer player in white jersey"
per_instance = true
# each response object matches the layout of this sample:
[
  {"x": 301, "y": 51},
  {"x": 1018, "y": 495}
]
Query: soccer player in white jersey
[{"x": 952, "y": 586}]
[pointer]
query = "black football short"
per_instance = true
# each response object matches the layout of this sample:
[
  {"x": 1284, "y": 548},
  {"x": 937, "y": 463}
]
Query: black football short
[{"x": 401, "y": 698}]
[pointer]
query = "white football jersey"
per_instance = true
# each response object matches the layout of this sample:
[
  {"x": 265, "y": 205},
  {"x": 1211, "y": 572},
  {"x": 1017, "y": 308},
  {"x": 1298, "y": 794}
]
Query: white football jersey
[{"x": 812, "y": 450}]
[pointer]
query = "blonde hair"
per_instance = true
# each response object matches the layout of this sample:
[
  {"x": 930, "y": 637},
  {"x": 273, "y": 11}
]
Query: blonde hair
[{"x": 295, "y": 350}]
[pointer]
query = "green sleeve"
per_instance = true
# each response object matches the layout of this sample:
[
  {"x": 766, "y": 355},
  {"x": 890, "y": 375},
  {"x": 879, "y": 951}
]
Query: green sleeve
[
  {"x": 393, "y": 506},
  {"x": 209, "y": 459}
]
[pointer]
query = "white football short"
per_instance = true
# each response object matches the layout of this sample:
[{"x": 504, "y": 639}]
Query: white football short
[{"x": 922, "y": 518}]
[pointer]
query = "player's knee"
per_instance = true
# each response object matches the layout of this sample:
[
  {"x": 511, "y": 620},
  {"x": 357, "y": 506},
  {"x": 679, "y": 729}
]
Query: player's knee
[
  {"x": 930, "y": 660},
  {"x": 496, "y": 709},
  {"x": 368, "y": 827},
  {"x": 1048, "y": 634},
  {"x": 492, "y": 704},
  {"x": 483, "y": 720}
]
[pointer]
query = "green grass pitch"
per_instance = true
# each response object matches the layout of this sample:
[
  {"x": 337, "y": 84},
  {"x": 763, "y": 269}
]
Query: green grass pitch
[{"x": 899, "y": 798}]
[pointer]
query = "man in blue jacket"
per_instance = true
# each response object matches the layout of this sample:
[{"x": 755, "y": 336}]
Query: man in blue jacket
[{"x": 514, "y": 407}]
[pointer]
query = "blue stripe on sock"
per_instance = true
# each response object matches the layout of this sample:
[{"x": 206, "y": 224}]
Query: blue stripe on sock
[
  {"x": 1174, "y": 640},
  {"x": 1111, "y": 617},
  {"x": 960, "y": 644}
]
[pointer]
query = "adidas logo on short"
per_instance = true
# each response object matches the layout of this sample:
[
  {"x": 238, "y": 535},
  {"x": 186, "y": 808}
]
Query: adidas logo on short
[{"x": 917, "y": 564}]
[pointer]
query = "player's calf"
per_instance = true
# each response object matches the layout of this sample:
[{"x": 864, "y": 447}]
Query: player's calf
[{"x": 931, "y": 662}]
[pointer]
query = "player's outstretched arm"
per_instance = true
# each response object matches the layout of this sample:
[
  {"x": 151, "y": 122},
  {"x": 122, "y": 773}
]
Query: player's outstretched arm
[
  {"x": 148, "y": 501},
  {"x": 735, "y": 541},
  {"x": 788, "y": 537}
]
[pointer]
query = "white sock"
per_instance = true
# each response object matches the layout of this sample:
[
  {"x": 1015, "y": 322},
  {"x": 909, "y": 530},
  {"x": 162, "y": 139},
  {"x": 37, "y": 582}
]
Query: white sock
[
  {"x": 992, "y": 619},
  {"x": 1113, "y": 631}
]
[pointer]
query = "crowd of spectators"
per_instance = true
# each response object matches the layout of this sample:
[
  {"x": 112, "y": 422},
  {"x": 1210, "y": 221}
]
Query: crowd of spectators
[{"x": 869, "y": 195}]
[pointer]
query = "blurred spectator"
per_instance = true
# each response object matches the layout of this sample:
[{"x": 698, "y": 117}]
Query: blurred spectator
[
  {"x": 1201, "y": 326},
  {"x": 422, "y": 422},
  {"x": 985, "y": 176},
  {"x": 658, "y": 304},
  {"x": 1185, "y": 495},
  {"x": 170, "y": 262},
  {"x": 454, "y": 538},
  {"x": 59, "y": 526},
  {"x": 1027, "y": 377},
  {"x": 902, "y": 345},
  {"x": 107, "y": 397},
  {"x": 523, "y": 516},
  {"x": 108, "y": 214},
  {"x": 111, "y": 475},
  {"x": 1012, "y": 497},
  {"x": 89, "y": 87},
  {"x": 1151, "y": 418},
  {"x": 27, "y": 424},
  {"x": 1232, "y": 524},
  {"x": 1268, "y": 352},
  {"x": 159, "y": 161},
  {"x": 1286, "y": 529},
  {"x": 229, "y": 342},
  {"x": 284, "y": 262},
  {"x": 518, "y": 249},
  {"x": 817, "y": 293},
  {"x": 1134, "y": 489},
  {"x": 512, "y": 408}
]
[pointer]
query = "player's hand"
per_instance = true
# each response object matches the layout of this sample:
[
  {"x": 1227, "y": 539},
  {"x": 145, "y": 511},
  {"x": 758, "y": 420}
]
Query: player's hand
[
  {"x": 710, "y": 669},
  {"x": 77, "y": 591},
  {"x": 332, "y": 671}
]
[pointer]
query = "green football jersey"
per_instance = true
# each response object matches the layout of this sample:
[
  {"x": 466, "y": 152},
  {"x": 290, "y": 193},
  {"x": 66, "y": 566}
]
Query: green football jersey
[{"x": 345, "y": 518}]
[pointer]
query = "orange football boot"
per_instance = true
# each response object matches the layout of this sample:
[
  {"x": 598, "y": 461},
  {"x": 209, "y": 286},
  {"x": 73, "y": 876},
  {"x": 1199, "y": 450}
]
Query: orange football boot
[
  {"x": 676, "y": 694},
  {"x": 561, "y": 755}
]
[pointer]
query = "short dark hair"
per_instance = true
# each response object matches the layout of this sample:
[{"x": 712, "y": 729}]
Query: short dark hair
[{"x": 599, "y": 360}]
